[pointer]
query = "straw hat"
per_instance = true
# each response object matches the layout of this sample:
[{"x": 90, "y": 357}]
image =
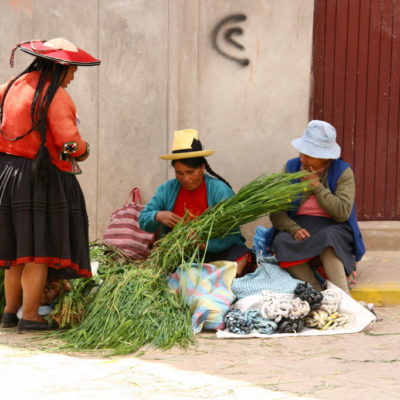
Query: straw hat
[
  {"x": 318, "y": 141},
  {"x": 186, "y": 144},
  {"x": 58, "y": 50}
]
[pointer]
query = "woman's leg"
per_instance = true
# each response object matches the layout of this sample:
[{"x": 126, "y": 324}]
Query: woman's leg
[
  {"x": 305, "y": 273},
  {"x": 33, "y": 280},
  {"x": 334, "y": 269},
  {"x": 13, "y": 289},
  {"x": 239, "y": 253}
]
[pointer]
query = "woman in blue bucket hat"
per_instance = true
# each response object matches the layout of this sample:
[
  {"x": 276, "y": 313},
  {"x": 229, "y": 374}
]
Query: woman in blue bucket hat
[{"x": 322, "y": 230}]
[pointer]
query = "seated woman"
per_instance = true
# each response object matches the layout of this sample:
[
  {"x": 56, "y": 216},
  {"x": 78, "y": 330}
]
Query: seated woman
[
  {"x": 192, "y": 192},
  {"x": 324, "y": 223}
]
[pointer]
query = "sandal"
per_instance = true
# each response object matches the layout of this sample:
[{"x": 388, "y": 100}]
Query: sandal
[
  {"x": 26, "y": 326},
  {"x": 9, "y": 320}
]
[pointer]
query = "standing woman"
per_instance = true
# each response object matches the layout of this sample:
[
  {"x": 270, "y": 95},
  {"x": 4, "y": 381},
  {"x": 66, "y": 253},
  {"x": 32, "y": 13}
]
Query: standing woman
[
  {"x": 43, "y": 219},
  {"x": 191, "y": 192}
]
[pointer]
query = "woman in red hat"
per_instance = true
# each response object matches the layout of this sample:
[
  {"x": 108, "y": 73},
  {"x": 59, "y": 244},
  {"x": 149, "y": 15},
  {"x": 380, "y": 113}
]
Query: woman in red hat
[{"x": 43, "y": 219}]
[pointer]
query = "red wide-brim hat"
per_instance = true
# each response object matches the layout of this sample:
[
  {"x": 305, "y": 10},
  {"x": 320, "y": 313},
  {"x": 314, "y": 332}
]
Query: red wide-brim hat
[{"x": 58, "y": 54}]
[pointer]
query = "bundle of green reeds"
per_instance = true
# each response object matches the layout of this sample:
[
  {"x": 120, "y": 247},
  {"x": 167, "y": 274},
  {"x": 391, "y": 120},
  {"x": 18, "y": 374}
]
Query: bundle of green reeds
[
  {"x": 135, "y": 307},
  {"x": 70, "y": 308},
  {"x": 72, "y": 304},
  {"x": 132, "y": 309},
  {"x": 264, "y": 195}
]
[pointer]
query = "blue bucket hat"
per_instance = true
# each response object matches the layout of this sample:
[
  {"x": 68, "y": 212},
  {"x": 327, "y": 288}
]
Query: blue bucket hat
[{"x": 318, "y": 141}]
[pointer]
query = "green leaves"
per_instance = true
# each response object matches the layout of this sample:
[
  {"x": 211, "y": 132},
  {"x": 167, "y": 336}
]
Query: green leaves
[
  {"x": 134, "y": 307},
  {"x": 262, "y": 196}
]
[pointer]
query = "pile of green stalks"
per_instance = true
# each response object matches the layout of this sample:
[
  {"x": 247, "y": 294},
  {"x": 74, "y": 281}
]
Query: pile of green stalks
[
  {"x": 132, "y": 309},
  {"x": 134, "y": 306},
  {"x": 264, "y": 195},
  {"x": 126, "y": 306},
  {"x": 73, "y": 303}
]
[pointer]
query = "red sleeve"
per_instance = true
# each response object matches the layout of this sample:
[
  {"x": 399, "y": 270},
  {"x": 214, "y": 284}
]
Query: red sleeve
[{"x": 61, "y": 121}]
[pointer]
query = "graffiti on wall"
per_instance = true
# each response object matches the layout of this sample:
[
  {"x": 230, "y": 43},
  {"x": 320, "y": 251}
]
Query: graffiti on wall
[{"x": 225, "y": 31}]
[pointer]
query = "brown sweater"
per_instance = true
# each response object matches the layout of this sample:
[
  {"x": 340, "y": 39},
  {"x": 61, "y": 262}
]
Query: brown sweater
[{"x": 338, "y": 205}]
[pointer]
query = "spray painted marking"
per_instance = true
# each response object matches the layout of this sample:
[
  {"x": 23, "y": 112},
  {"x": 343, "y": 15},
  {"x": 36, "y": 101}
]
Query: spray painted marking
[{"x": 228, "y": 36}]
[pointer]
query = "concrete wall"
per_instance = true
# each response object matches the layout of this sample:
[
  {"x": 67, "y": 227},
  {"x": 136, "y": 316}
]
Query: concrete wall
[{"x": 160, "y": 72}]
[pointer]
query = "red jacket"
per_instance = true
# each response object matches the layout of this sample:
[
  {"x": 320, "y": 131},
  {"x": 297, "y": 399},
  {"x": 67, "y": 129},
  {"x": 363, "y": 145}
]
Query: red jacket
[{"x": 61, "y": 123}]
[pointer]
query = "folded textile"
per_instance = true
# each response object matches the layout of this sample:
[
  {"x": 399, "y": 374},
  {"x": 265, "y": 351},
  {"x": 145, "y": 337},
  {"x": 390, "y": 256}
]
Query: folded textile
[
  {"x": 268, "y": 276},
  {"x": 206, "y": 288}
]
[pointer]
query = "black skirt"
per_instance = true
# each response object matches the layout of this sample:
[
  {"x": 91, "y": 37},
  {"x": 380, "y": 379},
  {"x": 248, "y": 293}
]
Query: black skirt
[
  {"x": 325, "y": 232},
  {"x": 42, "y": 221}
]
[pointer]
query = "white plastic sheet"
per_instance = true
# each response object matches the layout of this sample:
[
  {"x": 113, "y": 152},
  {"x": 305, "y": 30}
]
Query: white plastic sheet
[{"x": 358, "y": 315}]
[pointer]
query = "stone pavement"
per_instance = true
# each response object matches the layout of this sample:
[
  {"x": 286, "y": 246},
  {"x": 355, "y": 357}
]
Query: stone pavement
[{"x": 363, "y": 365}]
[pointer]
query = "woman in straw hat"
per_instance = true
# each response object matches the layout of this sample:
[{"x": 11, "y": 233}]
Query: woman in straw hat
[
  {"x": 324, "y": 224},
  {"x": 193, "y": 191},
  {"x": 43, "y": 219}
]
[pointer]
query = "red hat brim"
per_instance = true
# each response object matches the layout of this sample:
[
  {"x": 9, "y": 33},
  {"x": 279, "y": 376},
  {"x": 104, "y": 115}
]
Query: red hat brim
[{"x": 38, "y": 49}]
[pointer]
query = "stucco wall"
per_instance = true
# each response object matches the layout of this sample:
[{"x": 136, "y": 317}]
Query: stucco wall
[{"x": 160, "y": 72}]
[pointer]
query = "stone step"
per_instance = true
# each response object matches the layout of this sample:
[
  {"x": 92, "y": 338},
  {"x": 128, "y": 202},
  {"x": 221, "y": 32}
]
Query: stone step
[
  {"x": 381, "y": 235},
  {"x": 378, "y": 278}
]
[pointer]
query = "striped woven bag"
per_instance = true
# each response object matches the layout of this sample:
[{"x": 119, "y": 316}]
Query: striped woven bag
[{"x": 123, "y": 230}]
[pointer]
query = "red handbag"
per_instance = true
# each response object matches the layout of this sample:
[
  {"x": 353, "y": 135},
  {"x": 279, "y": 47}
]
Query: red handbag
[{"x": 123, "y": 230}]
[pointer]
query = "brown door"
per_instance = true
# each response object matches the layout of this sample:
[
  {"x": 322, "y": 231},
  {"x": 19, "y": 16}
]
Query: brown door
[{"x": 356, "y": 87}]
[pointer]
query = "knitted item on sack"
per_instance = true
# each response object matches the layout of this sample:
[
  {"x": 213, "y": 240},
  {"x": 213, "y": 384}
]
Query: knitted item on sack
[
  {"x": 330, "y": 302},
  {"x": 236, "y": 322},
  {"x": 261, "y": 324},
  {"x": 243, "y": 323},
  {"x": 275, "y": 306},
  {"x": 289, "y": 325},
  {"x": 322, "y": 320},
  {"x": 307, "y": 293},
  {"x": 299, "y": 308}
]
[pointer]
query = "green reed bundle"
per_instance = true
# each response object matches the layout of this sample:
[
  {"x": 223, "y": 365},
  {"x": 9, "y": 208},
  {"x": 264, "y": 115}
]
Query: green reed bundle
[
  {"x": 262, "y": 196},
  {"x": 73, "y": 303},
  {"x": 130, "y": 310},
  {"x": 135, "y": 307},
  {"x": 70, "y": 308}
]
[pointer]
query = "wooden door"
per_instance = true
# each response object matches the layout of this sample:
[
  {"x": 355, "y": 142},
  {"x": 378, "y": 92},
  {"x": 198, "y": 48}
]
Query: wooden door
[{"x": 356, "y": 87}]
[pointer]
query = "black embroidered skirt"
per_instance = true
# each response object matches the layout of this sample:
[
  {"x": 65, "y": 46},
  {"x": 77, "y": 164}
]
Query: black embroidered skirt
[
  {"x": 42, "y": 221},
  {"x": 325, "y": 232}
]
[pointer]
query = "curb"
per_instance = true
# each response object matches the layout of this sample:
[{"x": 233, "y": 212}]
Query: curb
[{"x": 385, "y": 294}]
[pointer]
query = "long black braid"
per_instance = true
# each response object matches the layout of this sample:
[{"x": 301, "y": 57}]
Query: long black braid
[
  {"x": 49, "y": 71},
  {"x": 197, "y": 162}
]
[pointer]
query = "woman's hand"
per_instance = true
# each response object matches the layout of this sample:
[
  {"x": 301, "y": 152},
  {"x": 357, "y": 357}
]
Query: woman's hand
[
  {"x": 167, "y": 218},
  {"x": 301, "y": 234},
  {"x": 313, "y": 178},
  {"x": 82, "y": 157}
]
